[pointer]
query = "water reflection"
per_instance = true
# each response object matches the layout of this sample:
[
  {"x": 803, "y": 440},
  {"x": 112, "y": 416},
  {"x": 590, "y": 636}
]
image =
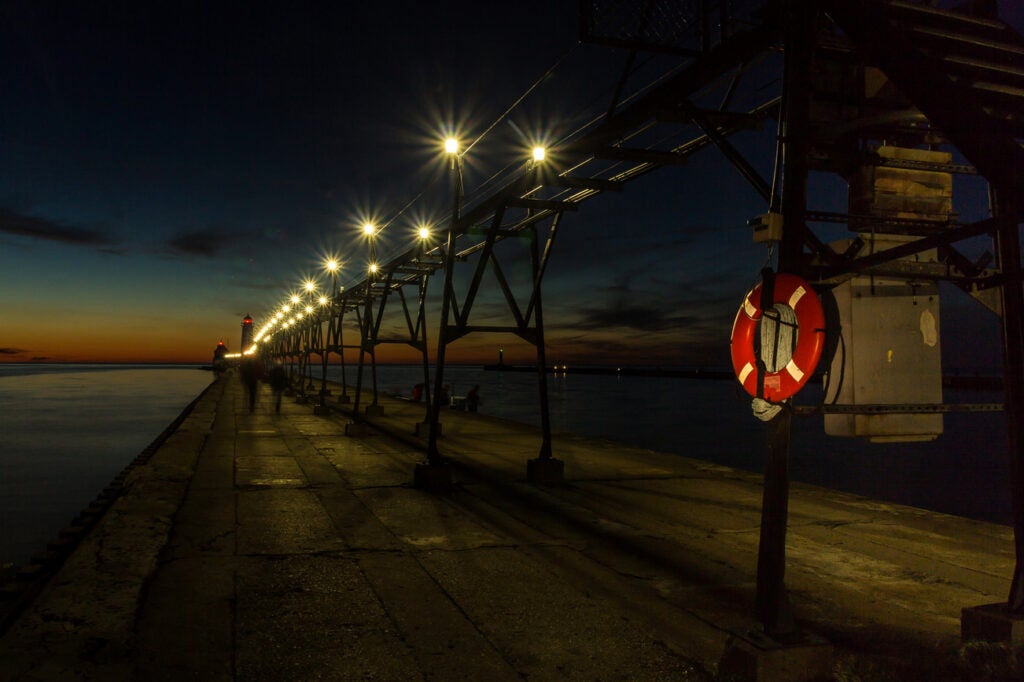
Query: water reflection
[{"x": 66, "y": 431}]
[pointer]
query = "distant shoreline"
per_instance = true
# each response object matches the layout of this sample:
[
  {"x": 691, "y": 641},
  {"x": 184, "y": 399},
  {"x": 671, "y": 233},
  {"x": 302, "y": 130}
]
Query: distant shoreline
[
  {"x": 960, "y": 381},
  {"x": 620, "y": 371}
]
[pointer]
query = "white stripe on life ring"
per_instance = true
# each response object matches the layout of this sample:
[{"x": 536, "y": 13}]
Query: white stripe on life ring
[
  {"x": 745, "y": 372},
  {"x": 794, "y": 371},
  {"x": 749, "y": 309},
  {"x": 797, "y": 295}
]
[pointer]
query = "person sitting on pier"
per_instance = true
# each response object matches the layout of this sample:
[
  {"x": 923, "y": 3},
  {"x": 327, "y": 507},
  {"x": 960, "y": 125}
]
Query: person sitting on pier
[{"x": 473, "y": 398}]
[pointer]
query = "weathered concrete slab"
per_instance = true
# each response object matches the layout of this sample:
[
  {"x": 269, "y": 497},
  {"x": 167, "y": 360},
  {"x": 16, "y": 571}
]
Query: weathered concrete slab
[
  {"x": 273, "y": 546},
  {"x": 186, "y": 629},
  {"x": 314, "y": 617},
  {"x": 284, "y": 521},
  {"x": 270, "y": 472}
]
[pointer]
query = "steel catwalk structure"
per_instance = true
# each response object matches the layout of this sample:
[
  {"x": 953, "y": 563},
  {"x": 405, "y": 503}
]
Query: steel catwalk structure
[{"x": 958, "y": 81}]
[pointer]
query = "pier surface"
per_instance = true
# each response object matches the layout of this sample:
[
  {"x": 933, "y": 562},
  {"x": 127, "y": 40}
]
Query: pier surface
[{"x": 270, "y": 546}]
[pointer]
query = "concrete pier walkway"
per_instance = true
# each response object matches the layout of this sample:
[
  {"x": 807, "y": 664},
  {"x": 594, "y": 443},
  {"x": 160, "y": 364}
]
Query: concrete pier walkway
[{"x": 265, "y": 546}]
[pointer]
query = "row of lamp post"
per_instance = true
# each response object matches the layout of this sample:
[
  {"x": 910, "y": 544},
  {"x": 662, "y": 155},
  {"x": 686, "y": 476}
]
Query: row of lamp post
[{"x": 301, "y": 320}]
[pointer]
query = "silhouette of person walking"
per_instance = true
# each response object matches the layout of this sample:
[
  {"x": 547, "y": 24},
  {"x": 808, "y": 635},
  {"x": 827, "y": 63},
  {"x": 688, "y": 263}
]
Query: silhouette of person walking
[
  {"x": 250, "y": 375},
  {"x": 278, "y": 380},
  {"x": 473, "y": 398}
]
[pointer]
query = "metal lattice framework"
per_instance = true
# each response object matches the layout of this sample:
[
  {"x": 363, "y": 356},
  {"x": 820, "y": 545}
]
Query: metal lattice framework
[{"x": 956, "y": 79}]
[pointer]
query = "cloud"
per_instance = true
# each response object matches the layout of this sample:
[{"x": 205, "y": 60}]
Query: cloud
[
  {"x": 629, "y": 316},
  {"x": 12, "y": 351},
  {"x": 16, "y": 223},
  {"x": 207, "y": 244}
]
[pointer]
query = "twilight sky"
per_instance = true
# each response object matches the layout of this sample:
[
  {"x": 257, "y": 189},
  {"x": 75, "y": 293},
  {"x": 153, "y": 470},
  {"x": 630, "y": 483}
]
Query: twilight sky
[{"x": 168, "y": 167}]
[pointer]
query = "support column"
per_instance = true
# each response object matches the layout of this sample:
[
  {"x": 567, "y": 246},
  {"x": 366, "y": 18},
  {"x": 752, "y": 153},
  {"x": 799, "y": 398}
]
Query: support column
[
  {"x": 1013, "y": 372},
  {"x": 782, "y": 651},
  {"x": 343, "y": 399},
  {"x": 772, "y": 601},
  {"x": 434, "y": 474},
  {"x": 544, "y": 468},
  {"x": 423, "y": 427},
  {"x": 357, "y": 427},
  {"x": 375, "y": 408},
  {"x": 1004, "y": 622}
]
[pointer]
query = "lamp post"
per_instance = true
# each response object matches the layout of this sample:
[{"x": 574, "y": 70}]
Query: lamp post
[
  {"x": 423, "y": 232},
  {"x": 369, "y": 232},
  {"x": 545, "y": 467},
  {"x": 332, "y": 267},
  {"x": 286, "y": 347},
  {"x": 433, "y": 474},
  {"x": 343, "y": 399},
  {"x": 326, "y": 301},
  {"x": 312, "y": 329}
]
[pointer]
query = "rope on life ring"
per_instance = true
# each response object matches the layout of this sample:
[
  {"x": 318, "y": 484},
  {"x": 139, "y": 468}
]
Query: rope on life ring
[{"x": 759, "y": 377}]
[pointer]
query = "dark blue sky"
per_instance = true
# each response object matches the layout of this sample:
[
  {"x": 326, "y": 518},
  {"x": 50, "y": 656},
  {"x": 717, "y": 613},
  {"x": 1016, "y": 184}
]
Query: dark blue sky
[{"x": 166, "y": 167}]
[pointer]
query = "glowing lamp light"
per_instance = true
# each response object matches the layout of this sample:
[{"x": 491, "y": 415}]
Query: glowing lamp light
[
  {"x": 424, "y": 233},
  {"x": 332, "y": 265},
  {"x": 369, "y": 229},
  {"x": 295, "y": 299},
  {"x": 310, "y": 285},
  {"x": 323, "y": 300},
  {"x": 373, "y": 268},
  {"x": 285, "y": 309},
  {"x": 451, "y": 146},
  {"x": 538, "y": 153},
  {"x": 309, "y": 310}
]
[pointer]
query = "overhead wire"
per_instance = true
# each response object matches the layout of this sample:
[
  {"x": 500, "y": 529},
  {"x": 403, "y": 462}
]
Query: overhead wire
[{"x": 580, "y": 130}]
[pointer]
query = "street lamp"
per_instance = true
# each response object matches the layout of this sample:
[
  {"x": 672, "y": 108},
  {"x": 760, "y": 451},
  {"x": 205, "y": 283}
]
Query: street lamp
[
  {"x": 370, "y": 233},
  {"x": 335, "y": 332},
  {"x": 424, "y": 234},
  {"x": 433, "y": 474}
]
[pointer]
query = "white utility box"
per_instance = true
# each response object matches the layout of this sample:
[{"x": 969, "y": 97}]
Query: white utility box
[
  {"x": 890, "y": 355},
  {"x": 890, "y": 323}
]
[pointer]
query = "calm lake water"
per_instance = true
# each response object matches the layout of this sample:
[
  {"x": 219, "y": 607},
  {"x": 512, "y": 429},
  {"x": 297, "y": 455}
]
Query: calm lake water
[
  {"x": 66, "y": 431},
  {"x": 962, "y": 472}
]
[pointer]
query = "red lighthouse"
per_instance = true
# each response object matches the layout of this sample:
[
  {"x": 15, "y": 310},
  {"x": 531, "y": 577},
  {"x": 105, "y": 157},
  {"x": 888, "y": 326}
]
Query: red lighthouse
[{"x": 246, "y": 333}]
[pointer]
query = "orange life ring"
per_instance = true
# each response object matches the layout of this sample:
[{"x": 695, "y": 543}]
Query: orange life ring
[{"x": 810, "y": 321}]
